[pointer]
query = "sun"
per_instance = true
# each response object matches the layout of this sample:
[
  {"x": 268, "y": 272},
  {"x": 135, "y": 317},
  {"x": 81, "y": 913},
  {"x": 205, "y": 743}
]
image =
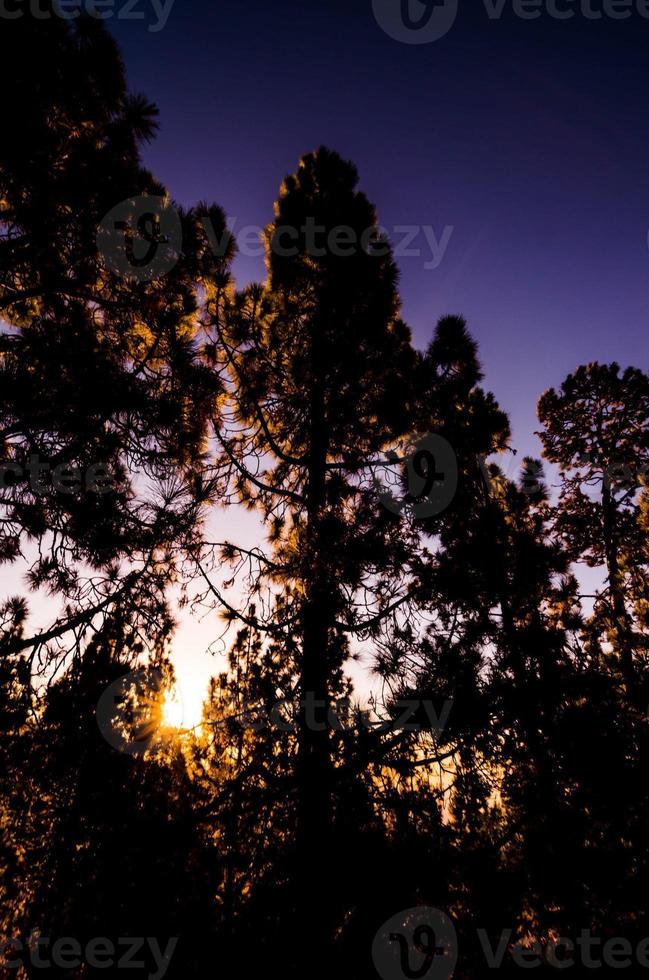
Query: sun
[
  {"x": 182, "y": 706},
  {"x": 173, "y": 715}
]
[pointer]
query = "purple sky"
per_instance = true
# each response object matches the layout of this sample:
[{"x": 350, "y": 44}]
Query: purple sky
[{"x": 528, "y": 137}]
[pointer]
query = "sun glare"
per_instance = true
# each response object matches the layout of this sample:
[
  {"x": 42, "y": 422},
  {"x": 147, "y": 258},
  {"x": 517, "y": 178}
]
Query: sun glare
[
  {"x": 172, "y": 711},
  {"x": 182, "y": 707}
]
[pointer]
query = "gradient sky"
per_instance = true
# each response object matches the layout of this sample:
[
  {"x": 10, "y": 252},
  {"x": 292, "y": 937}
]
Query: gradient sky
[{"x": 528, "y": 137}]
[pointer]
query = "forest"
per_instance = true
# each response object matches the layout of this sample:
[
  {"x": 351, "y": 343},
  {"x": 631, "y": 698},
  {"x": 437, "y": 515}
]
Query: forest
[{"x": 490, "y": 791}]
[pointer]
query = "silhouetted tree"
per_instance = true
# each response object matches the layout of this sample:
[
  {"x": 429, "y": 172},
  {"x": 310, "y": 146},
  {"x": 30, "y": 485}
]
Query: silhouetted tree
[
  {"x": 318, "y": 374},
  {"x": 97, "y": 367},
  {"x": 596, "y": 428},
  {"x": 113, "y": 843}
]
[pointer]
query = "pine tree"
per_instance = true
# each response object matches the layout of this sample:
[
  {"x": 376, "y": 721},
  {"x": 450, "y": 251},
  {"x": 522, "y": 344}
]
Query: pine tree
[
  {"x": 99, "y": 370},
  {"x": 319, "y": 368},
  {"x": 596, "y": 429}
]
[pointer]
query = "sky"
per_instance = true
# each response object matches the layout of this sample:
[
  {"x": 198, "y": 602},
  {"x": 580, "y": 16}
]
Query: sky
[
  {"x": 526, "y": 139},
  {"x": 519, "y": 143}
]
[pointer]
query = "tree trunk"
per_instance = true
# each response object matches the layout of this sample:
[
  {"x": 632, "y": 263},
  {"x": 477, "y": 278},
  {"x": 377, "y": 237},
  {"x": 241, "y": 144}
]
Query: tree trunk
[
  {"x": 315, "y": 894},
  {"x": 621, "y": 622}
]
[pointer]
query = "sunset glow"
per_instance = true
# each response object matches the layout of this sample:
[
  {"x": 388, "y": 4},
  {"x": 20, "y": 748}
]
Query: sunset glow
[{"x": 182, "y": 707}]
